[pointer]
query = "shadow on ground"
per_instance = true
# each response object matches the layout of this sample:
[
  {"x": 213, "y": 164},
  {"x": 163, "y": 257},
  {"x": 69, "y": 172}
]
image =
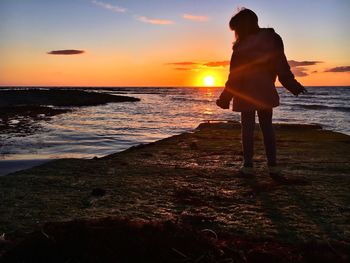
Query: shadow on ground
[{"x": 192, "y": 180}]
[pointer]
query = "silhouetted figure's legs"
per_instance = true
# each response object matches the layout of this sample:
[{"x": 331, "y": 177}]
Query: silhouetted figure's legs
[
  {"x": 248, "y": 124},
  {"x": 265, "y": 120}
]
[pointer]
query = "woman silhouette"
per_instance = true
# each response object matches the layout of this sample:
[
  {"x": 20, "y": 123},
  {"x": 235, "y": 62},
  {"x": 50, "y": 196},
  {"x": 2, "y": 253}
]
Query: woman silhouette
[{"x": 257, "y": 59}]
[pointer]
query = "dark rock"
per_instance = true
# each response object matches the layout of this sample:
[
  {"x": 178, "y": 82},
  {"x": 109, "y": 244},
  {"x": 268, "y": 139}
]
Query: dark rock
[
  {"x": 19, "y": 108},
  {"x": 58, "y": 97}
]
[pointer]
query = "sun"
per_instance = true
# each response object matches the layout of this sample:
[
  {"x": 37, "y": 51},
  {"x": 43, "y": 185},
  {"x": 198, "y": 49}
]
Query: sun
[{"x": 209, "y": 81}]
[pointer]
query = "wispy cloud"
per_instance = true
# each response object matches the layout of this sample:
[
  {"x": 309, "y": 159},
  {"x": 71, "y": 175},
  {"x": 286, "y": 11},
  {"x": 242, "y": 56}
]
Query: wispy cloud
[
  {"x": 184, "y": 63},
  {"x": 293, "y": 63},
  {"x": 183, "y": 69},
  {"x": 196, "y": 66},
  {"x": 300, "y": 71},
  {"x": 215, "y": 64},
  {"x": 154, "y": 21},
  {"x": 299, "y": 67},
  {"x": 66, "y": 52},
  {"x": 339, "y": 69},
  {"x": 195, "y": 17},
  {"x": 114, "y": 8},
  {"x": 144, "y": 19}
]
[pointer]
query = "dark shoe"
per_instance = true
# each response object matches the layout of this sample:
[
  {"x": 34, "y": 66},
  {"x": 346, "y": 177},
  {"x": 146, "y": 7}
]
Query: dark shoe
[
  {"x": 276, "y": 173},
  {"x": 247, "y": 170}
]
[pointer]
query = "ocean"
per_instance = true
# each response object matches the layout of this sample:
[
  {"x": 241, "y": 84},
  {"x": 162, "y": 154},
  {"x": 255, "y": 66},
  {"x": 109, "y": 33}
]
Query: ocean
[{"x": 92, "y": 131}]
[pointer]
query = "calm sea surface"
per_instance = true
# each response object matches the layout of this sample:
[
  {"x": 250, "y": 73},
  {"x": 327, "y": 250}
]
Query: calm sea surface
[{"x": 100, "y": 130}]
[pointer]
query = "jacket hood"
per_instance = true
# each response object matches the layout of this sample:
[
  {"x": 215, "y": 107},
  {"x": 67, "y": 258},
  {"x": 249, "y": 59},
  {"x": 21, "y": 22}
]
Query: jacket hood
[{"x": 262, "y": 41}]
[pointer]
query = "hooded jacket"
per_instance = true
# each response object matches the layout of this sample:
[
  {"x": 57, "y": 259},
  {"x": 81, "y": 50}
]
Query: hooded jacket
[{"x": 255, "y": 64}]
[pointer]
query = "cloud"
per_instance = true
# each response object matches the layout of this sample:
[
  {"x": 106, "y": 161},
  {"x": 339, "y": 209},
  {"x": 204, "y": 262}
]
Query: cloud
[
  {"x": 217, "y": 64},
  {"x": 299, "y": 71},
  {"x": 66, "y": 52},
  {"x": 113, "y": 8},
  {"x": 195, "y": 17},
  {"x": 154, "y": 21},
  {"x": 293, "y": 63},
  {"x": 183, "y": 69},
  {"x": 339, "y": 69},
  {"x": 144, "y": 19},
  {"x": 184, "y": 63},
  {"x": 196, "y": 66},
  {"x": 298, "y": 67}
]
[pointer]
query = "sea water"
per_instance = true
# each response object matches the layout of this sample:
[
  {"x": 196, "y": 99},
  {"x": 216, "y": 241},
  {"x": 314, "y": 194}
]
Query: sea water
[{"x": 92, "y": 131}]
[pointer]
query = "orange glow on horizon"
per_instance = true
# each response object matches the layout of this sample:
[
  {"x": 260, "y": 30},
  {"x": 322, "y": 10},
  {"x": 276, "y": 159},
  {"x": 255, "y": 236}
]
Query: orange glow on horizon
[
  {"x": 115, "y": 47},
  {"x": 103, "y": 68}
]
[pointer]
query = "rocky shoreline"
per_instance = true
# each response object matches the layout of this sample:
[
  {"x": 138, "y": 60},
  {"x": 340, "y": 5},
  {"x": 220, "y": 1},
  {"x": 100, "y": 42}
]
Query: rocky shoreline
[
  {"x": 21, "y": 109},
  {"x": 58, "y": 97},
  {"x": 190, "y": 180}
]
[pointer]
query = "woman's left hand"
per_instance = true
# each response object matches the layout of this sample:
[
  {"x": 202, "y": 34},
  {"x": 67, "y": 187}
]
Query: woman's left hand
[{"x": 223, "y": 104}]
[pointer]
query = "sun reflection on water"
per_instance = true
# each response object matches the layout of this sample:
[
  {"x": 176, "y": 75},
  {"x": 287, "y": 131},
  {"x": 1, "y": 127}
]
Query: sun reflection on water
[
  {"x": 162, "y": 112},
  {"x": 209, "y": 93}
]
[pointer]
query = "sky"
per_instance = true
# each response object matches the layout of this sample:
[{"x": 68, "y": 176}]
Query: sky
[{"x": 162, "y": 42}]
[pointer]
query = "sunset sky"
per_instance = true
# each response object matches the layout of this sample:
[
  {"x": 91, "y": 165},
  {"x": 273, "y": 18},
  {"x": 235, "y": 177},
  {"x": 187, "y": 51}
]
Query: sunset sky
[{"x": 162, "y": 42}]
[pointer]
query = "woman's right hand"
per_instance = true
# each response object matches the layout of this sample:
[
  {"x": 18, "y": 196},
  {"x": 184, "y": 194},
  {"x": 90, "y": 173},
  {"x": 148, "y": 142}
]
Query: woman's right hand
[
  {"x": 223, "y": 104},
  {"x": 301, "y": 90}
]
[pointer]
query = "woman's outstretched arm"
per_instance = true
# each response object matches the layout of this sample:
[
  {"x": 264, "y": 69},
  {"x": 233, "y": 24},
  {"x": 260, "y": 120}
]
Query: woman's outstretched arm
[
  {"x": 227, "y": 94},
  {"x": 285, "y": 75}
]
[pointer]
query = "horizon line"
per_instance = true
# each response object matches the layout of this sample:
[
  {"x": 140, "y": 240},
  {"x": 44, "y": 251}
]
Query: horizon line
[{"x": 131, "y": 86}]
